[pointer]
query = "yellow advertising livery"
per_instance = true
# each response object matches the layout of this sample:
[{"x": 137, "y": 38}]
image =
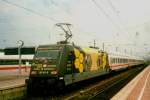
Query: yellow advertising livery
[{"x": 63, "y": 64}]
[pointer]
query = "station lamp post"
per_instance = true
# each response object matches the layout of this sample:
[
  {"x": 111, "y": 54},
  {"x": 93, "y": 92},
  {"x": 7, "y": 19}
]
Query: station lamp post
[
  {"x": 103, "y": 46},
  {"x": 20, "y": 45}
]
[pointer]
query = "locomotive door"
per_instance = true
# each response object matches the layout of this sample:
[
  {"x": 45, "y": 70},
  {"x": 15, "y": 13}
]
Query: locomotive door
[{"x": 70, "y": 64}]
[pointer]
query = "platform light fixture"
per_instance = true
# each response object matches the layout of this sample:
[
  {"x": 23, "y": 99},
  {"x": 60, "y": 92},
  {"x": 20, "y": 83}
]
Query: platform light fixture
[{"x": 20, "y": 45}]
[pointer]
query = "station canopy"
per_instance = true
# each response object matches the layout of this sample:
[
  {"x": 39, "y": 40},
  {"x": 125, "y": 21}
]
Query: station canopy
[{"x": 24, "y": 51}]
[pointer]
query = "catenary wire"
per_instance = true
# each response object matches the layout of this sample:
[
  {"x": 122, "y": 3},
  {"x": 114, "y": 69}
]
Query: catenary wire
[{"x": 30, "y": 10}]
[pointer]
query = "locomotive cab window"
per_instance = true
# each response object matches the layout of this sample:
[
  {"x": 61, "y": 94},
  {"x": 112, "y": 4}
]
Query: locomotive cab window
[{"x": 47, "y": 53}]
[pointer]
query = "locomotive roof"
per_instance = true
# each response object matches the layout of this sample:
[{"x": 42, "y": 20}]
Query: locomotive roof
[
  {"x": 90, "y": 50},
  {"x": 53, "y": 45}
]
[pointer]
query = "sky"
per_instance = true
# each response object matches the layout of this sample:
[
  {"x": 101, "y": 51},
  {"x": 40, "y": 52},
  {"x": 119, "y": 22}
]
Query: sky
[{"x": 122, "y": 24}]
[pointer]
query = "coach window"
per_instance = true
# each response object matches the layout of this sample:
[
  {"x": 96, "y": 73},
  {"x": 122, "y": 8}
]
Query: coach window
[
  {"x": 110, "y": 60},
  {"x": 114, "y": 60},
  {"x": 117, "y": 60}
]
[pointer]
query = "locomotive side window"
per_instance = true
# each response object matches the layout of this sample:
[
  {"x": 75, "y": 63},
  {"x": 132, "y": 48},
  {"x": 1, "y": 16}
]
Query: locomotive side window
[
  {"x": 99, "y": 61},
  {"x": 88, "y": 62}
]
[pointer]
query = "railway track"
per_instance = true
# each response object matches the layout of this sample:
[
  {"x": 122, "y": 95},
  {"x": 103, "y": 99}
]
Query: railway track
[
  {"x": 107, "y": 88},
  {"x": 113, "y": 88},
  {"x": 103, "y": 87}
]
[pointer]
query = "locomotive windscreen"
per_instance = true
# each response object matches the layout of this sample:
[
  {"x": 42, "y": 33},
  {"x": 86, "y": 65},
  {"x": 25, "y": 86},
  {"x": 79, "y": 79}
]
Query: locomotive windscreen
[{"x": 47, "y": 53}]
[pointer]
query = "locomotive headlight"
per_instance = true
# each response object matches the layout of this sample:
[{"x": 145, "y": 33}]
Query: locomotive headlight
[
  {"x": 61, "y": 78},
  {"x": 44, "y": 65},
  {"x": 33, "y": 72},
  {"x": 54, "y": 72}
]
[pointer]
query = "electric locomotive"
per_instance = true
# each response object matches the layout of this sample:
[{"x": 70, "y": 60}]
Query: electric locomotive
[{"x": 58, "y": 65}]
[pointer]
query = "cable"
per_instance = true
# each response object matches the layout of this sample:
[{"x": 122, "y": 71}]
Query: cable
[
  {"x": 30, "y": 10},
  {"x": 60, "y": 7},
  {"x": 101, "y": 8},
  {"x": 112, "y": 6},
  {"x": 118, "y": 24},
  {"x": 117, "y": 13}
]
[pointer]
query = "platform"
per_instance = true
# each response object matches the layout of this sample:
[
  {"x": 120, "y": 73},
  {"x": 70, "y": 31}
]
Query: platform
[
  {"x": 137, "y": 89},
  {"x": 12, "y": 83},
  {"x": 13, "y": 80}
]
